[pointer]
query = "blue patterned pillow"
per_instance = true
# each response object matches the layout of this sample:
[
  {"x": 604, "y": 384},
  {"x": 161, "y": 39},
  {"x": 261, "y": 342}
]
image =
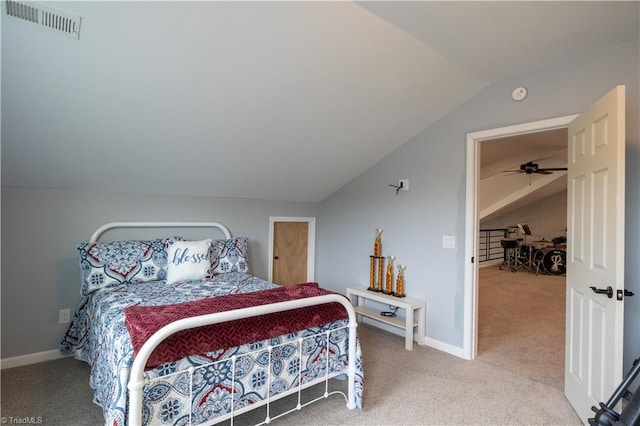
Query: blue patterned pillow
[
  {"x": 115, "y": 263},
  {"x": 229, "y": 255}
]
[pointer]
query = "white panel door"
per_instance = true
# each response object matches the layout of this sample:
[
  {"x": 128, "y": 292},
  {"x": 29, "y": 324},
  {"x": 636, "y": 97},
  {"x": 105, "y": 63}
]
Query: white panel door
[{"x": 595, "y": 253}]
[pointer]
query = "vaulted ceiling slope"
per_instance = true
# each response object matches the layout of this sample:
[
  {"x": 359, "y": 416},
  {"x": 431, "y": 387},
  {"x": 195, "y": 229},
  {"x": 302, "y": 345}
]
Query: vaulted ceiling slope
[{"x": 267, "y": 100}]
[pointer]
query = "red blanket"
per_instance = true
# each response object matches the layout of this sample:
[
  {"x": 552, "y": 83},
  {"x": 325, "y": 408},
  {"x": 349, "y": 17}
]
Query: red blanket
[{"x": 143, "y": 321}]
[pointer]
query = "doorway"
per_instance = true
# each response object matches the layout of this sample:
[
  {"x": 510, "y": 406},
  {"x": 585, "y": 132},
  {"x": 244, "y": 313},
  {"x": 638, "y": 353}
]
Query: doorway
[
  {"x": 474, "y": 141},
  {"x": 595, "y": 239},
  {"x": 291, "y": 250},
  {"x": 521, "y": 307}
]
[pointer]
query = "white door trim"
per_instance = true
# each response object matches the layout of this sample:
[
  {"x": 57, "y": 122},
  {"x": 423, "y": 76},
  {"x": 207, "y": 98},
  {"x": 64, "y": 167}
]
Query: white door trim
[
  {"x": 311, "y": 243},
  {"x": 470, "y": 334}
]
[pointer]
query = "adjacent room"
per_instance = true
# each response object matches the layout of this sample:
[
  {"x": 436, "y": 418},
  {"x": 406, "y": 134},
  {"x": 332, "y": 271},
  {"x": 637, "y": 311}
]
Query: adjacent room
[
  {"x": 467, "y": 172},
  {"x": 522, "y": 210}
]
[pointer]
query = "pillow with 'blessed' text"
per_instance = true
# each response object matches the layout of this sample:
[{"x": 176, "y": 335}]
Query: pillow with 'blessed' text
[{"x": 188, "y": 260}]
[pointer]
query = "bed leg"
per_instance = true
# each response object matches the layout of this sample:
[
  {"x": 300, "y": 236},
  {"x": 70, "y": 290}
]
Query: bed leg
[{"x": 351, "y": 403}]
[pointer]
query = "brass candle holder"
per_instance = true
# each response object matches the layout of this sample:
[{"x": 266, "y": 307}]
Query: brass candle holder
[
  {"x": 389, "y": 282},
  {"x": 400, "y": 282}
]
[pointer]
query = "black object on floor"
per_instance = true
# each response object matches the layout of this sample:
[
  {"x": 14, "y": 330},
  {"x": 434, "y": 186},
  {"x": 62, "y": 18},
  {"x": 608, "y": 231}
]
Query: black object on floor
[{"x": 630, "y": 415}]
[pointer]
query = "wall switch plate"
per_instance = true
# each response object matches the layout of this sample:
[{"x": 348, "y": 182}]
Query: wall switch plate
[
  {"x": 64, "y": 316},
  {"x": 448, "y": 241},
  {"x": 404, "y": 184}
]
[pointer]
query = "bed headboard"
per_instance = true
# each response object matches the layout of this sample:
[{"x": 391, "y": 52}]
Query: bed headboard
[{"x": 114, "y": 225}]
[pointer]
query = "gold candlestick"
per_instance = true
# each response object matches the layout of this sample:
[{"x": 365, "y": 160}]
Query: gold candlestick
[
  {"x": 400, "y": 283},
  {"x": 389, "y": 283}
]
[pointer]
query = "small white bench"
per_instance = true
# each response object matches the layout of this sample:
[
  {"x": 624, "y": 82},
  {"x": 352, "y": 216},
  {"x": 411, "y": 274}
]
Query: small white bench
[{"x": 413, "y": 308}]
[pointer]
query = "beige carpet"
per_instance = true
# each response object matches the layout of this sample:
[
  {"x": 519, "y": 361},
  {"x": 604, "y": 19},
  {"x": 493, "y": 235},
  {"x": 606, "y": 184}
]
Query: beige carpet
[
  {"x": 521, "y": 322},
  {"x": 516, "y": 379}
]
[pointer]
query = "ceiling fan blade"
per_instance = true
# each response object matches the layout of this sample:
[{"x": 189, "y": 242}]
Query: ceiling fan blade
[
  {"x": 554, "y": 169},
  {"x": 548, "y": 157},
  {"x": 543, "y": 172}
]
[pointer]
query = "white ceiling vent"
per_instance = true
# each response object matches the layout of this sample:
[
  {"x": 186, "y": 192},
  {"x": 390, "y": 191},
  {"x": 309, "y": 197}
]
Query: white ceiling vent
[{"x": 60, "y": 22}]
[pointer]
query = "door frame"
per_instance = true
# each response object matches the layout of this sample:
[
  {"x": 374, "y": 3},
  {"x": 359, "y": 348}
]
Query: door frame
[
  {"x": 472, "y": 222},
  {"x": 311, "y": 243}
]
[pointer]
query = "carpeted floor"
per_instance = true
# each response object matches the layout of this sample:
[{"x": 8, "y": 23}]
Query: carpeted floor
[
  {"x": 517, "y": 378},
  {"x": 521, "y": 322}
]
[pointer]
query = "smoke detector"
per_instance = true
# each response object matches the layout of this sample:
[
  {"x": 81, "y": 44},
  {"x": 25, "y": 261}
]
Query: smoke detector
[
  {"x": 519, "y": 93},
  {"x": 45, "y": 16}
]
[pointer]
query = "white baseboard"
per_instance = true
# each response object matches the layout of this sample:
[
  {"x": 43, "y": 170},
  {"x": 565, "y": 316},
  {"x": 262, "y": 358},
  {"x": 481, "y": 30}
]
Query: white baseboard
[
  {"x": 19, "y": 361},
  {"x": 428, "y": 341},
  {"x": 445, "y": 347}
]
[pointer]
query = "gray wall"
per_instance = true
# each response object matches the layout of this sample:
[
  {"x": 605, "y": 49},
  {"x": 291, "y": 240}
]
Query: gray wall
[
  {"x": 414, "y": 222},
  {"x": 41, "y": 228}
]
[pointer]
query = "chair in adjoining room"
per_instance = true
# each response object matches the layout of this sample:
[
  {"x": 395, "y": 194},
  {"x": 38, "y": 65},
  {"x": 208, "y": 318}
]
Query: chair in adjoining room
[{"x": 510, "y": 247}]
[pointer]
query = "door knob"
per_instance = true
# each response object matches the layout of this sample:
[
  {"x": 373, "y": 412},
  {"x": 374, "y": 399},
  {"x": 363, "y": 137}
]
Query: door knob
[{"x": 608, "y": 291}]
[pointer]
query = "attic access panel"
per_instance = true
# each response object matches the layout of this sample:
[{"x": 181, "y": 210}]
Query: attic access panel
[{"x": 61, "y": 22}]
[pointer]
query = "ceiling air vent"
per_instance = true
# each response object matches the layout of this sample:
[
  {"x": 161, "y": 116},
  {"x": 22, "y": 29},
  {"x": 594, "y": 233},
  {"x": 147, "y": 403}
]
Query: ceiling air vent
[{"x": 60, "y": 22}]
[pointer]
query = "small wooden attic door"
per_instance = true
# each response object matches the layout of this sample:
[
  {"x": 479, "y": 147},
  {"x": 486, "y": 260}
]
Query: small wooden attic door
[{"x": 292, "y": 250}]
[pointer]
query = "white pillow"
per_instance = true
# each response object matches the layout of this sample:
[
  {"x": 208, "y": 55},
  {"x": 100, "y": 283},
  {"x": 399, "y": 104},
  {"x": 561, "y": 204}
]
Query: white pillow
[{"x": 188, "y": 260}]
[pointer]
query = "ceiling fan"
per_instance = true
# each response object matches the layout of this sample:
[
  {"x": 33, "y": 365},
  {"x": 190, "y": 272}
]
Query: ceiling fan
[{"x": 531, "y": 167}]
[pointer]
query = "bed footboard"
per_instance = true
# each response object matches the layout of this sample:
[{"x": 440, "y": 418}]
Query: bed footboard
[{"x": 138, "y": 380}]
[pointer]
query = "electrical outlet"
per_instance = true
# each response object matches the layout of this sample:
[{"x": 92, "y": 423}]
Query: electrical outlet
[
  {"x": 449, "y": 241},
  {"x": 404, "y": 184},
  {"x": 64, "y": 316}
]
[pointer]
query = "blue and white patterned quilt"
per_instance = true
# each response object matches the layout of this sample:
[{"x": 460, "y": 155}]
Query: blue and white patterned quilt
[{"x": 98, "y": 335}]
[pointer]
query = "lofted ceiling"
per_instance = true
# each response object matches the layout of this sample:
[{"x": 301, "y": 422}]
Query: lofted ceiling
[
  {"x": 547, "y": 149},
  {"x": 500, "y": 157},
  {"x": 266, "y": 100}
]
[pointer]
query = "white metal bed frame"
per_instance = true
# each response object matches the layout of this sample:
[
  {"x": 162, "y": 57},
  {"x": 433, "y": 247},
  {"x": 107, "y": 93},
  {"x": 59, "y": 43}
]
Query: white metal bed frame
[{"x": 137, "y": 379}]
